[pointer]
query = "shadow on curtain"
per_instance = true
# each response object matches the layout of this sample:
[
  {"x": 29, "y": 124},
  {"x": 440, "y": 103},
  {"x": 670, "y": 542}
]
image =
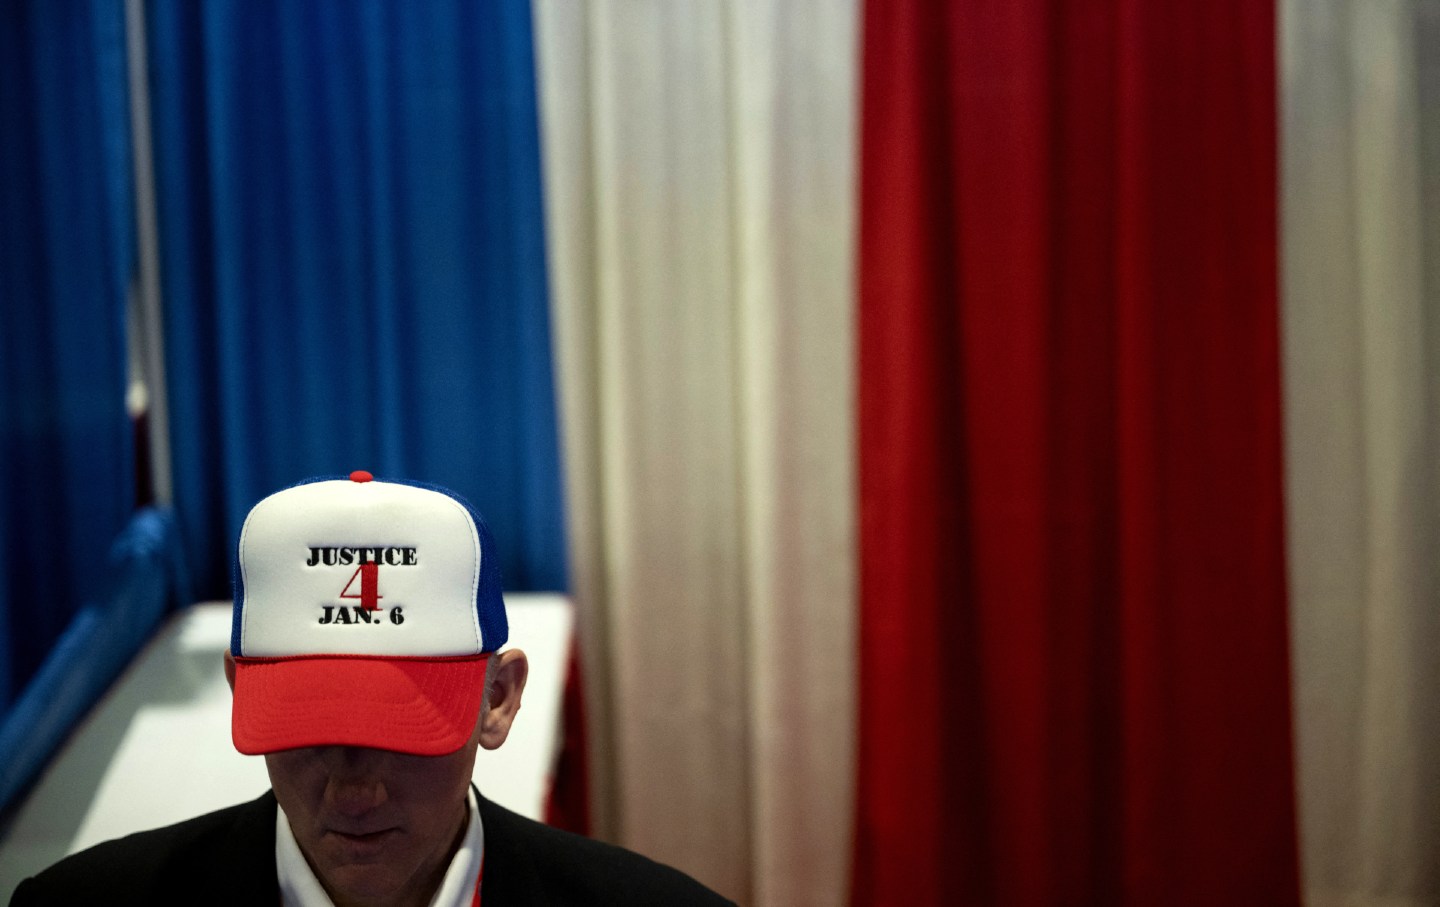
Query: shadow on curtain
[{"x": 353, "y": 262}]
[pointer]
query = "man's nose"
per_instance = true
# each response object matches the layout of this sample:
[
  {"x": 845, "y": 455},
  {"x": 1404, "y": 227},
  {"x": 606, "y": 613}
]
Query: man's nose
[{"x": 357, "y": 779}]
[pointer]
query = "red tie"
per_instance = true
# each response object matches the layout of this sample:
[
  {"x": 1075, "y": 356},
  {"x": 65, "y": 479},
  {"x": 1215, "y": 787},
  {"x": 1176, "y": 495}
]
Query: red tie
[{"x": 478, "y": 876}]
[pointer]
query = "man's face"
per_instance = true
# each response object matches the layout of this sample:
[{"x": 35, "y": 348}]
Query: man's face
[{"x": 375, "y": 825}]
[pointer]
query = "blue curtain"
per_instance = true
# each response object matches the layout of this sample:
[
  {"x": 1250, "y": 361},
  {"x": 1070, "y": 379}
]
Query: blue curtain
[
  {"x": 144, "y": 575},
  {"x": 67, "y": 479},
  {"x": 353, "y": 261}
]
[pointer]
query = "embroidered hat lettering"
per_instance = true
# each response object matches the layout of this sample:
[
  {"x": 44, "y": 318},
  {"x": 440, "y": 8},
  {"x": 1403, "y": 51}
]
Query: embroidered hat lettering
[
  {"x": 355, "y": 614},
  {"x": 368, "y": 576},
  {"x": 369, "y": 594},
  {"x": 340, "y": 557}
]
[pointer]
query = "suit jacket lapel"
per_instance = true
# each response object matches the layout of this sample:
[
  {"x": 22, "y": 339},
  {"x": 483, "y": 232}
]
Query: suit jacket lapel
[
  {"x": 245, "y": 873},
  {"x": 510, "y": 875}
]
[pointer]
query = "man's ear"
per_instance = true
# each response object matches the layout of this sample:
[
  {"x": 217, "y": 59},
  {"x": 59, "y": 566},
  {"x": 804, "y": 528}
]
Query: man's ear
[
  {"x": 230, "y": 670},
  {"x": 506, "y": 685}
]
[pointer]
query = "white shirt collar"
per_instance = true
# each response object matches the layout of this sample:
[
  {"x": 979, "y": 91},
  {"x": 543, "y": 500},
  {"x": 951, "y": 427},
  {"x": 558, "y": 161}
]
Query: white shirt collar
[{"x": 300, "y": 888}]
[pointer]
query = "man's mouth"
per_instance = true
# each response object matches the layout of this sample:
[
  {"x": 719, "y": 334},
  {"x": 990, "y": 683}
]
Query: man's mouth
[{"x": 364, "y": 840}]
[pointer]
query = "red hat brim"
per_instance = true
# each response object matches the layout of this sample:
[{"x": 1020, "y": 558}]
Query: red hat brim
[{"x": 421, "y": 706}]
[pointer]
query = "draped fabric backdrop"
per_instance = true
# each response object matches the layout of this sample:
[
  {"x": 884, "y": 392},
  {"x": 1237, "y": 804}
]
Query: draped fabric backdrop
[
  {"x": 1073, "y": 608},
  {"x": 699, "y": 176},
  {"x": 1071, "y": 585},
  {"x": 1361, "y": 103},
  {"x": 354, "y": 264},
  {"x": 67, "y": 478}
]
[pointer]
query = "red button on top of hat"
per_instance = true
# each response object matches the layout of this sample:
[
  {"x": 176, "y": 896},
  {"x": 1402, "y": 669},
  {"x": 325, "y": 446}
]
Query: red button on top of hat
[{"x": 360, "y": 475}]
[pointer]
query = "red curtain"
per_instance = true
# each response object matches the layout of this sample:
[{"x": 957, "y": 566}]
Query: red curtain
[{"x": 1074, "y": 680}]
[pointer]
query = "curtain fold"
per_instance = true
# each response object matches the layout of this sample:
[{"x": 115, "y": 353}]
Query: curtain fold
[
  {"x": 1073, "y": 612},
  {"x": 65, "y": 262},
  {"x": 1072, "y": 634},
  {"x": 353, "y": 262},
  {"x": 699, "y": 168},
  {"x": 1361, "y": 91}
]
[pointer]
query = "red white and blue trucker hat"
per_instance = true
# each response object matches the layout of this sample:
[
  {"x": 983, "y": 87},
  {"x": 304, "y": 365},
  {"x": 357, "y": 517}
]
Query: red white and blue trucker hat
[{"x": 365, "y": 612}]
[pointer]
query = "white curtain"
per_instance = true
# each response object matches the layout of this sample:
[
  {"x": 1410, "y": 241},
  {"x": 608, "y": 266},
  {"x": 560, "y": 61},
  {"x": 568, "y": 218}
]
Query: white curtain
[
  {"x": 700, "y": 176},
  {"x": 1360, "y": 169},
  {"x": 700, "y": 181}
]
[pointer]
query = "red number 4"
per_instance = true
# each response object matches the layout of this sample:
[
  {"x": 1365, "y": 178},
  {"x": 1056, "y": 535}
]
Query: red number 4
[{"x": 369, "y": 586}]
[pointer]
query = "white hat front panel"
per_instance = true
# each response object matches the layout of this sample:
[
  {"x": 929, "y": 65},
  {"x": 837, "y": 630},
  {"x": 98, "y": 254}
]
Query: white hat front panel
[{"x": 359, "y": 568}]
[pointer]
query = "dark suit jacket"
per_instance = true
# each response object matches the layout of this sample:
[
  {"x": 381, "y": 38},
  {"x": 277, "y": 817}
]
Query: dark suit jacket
[{"x": 228, "y": 857}]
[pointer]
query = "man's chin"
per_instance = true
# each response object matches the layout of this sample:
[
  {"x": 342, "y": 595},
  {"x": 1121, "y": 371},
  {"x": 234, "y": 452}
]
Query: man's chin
[
  {"x": 364, "y": 883},
  {"x": 364, "y": 868}
]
